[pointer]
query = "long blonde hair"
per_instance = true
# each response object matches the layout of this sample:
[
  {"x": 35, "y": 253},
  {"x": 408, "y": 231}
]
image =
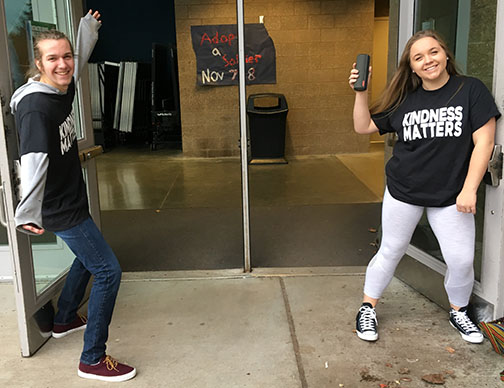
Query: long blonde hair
[{"x": 404, "y": 80}]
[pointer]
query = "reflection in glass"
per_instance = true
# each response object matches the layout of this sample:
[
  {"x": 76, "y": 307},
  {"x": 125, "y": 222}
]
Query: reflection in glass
[
  {"x": 440, "y": 16},
  {"x": 51, "y": 258},
  {"x": 469, "y": 28},
  {"x": 3, "y": 235},
  {"x": 3, "y": 232}
]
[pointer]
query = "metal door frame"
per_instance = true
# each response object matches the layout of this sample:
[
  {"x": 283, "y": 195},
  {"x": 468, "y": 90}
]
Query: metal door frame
[
  {"x": 23, "y": 279},
  {"x": 243, "y": 137},
  {"x": 492, "y": 274}
]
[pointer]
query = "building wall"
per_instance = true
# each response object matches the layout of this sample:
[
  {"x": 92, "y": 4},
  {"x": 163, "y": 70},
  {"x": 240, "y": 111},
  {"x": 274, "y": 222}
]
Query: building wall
[
  {"x": 316, "y": 42},
  {"x": 379, "y": 61},
  {"x": 480, "y": 51},
  {"x": 392, "y": 59}
]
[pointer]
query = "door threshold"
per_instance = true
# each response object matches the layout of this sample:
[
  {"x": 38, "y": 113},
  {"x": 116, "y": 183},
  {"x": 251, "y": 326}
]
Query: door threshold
[
  {"x": 269, "y": 161},
  {"x": 309, "y": 271},
  {"x": 238, "y": 273}
]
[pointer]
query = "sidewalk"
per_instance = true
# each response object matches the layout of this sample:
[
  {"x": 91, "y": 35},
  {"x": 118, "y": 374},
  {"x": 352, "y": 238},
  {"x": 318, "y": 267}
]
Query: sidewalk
[{"x": 289, "y": 329}]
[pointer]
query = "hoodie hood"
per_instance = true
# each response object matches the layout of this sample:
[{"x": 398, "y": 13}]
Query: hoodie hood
[{"x": 32, "y": 86}]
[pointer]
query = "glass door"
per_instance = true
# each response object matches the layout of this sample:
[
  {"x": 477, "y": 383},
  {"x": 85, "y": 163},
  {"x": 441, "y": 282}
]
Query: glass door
[
  {"x": 40, "y": 263},
  {"x": 470, "y": 29},
  {"x": 170, "y": 181},
  {"x": 316, "y": 186}
]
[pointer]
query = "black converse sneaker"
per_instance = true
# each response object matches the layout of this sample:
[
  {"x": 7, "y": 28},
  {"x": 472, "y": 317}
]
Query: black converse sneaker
[
  {"x": 467, "y": 329},
  {"x": 367, "y": 323}
]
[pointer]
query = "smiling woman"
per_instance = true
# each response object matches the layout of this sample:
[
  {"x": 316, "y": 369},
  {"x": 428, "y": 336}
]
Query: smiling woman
[
  {"x": 428, "y": 60},
  {"x": 445, "y": 124}
]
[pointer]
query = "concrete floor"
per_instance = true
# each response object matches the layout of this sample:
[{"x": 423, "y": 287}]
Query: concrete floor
[
  {"x": 275, "y": 328},
  {"x": 271, "y": 329}
]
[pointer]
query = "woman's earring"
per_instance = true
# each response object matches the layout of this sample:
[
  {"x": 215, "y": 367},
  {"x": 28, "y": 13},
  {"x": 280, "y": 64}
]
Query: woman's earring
[{"x": 412, "y": 71}]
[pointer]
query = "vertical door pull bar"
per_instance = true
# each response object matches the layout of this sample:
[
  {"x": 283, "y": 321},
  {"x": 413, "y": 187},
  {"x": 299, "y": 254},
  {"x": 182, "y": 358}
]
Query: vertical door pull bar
[{"x": 3, "y": 213}]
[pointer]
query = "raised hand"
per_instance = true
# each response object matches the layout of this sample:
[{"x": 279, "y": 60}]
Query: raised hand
[
  {"x": 95, "y": 14},
  {"x": 354, "y": 74}
]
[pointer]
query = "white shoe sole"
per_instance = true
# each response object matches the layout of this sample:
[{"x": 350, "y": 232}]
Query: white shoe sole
[
  {"x": 46, "y": 334},
  {"x": 472, "y": 339},
  {"x": 61, "y": 335},
  {"x": 112, "y": 379},
  {"x": 367, "y": 336}
]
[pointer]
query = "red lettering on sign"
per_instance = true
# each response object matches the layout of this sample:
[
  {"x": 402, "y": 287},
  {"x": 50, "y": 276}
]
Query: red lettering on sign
[
  {"x": 205, "y": 37},
  {"x": 248, "y": 59},
  {"x": 253, "y": 59},
  {"x": 216, "y": 39},
  {"x": 229, "y": 62}
]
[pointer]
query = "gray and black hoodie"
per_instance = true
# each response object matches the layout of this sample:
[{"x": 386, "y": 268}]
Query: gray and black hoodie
[{"x": 53, "y": 195}]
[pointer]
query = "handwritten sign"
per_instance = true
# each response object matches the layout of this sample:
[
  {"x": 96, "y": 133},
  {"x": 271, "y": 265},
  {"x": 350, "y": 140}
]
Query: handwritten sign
[{"x": 216, "y": 49}]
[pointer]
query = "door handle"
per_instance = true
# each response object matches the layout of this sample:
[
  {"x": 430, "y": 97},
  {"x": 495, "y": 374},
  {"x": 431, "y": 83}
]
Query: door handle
[
  {"x": 494, "y": 170},
  {"x": 3, "y": 214},
  {"x": 90, "y": 153},
  {"x": 391, "y": 139}
]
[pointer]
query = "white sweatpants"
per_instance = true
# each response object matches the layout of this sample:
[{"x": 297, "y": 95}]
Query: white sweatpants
[{"x": 455, "y": 232}]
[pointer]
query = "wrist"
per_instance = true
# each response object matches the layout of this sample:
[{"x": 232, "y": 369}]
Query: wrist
[{"x": 471, "y": 189}]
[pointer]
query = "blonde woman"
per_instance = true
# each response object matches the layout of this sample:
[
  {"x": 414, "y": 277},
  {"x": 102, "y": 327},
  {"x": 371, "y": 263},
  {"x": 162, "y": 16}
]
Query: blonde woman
[{"x": 445, "y": 123}]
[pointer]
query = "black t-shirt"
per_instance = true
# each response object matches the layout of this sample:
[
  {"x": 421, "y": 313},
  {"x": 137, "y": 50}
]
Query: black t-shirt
[
  {"x": 46, "y": 124},
  {"x": 431, "y": 158}
]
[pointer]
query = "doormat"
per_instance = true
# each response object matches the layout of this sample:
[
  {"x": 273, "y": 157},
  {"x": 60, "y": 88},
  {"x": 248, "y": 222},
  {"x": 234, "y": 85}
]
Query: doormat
[{"x": 212, "y": 238}]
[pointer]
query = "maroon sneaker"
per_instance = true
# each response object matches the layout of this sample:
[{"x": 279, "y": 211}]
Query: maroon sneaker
[
  {"x": 79, "y": 323},
  {"x": 107, "y": 369}
]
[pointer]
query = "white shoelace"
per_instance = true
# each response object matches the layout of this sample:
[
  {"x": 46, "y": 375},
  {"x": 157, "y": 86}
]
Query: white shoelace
[
  {"x": 367, "y": 320},
  {"x": 464, "y": 321}
]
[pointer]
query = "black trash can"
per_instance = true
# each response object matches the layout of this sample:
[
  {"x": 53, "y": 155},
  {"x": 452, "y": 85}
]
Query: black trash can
[{"x": 267, "y": 116}]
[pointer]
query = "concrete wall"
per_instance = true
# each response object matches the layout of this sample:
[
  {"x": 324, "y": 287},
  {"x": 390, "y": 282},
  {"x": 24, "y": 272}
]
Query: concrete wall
[
  {"x": 480, "y": 51},
  {"x": 316, "y": 43},
  {"x": 392, "y": 58}
]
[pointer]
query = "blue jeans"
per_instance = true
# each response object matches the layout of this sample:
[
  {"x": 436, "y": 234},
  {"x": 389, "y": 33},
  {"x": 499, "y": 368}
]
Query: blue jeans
[{"x": 94, "y": 257}]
